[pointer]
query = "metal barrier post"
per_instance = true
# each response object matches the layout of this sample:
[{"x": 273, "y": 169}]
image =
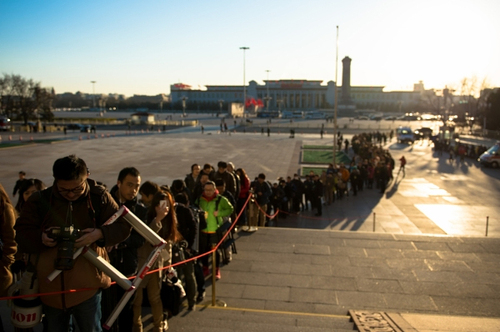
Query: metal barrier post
[
  {"x": 374, "y": 216},
  {"x": 215, "y": 302},
  {"x": 487, "y": 224}
]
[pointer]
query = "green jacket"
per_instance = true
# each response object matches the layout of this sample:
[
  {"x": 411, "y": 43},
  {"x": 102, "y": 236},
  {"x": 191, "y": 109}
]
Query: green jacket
[{"x": 224, "y": 207}]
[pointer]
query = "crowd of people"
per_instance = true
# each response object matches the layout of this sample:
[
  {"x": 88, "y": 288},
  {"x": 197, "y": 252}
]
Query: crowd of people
[{"x": 187, "y": 214}]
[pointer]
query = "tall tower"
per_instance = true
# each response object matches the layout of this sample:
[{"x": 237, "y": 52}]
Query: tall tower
[{"x": 346, "y": 81}]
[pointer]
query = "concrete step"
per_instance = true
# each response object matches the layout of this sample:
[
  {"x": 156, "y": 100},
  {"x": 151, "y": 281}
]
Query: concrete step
[{"x": 209, "y": 319}]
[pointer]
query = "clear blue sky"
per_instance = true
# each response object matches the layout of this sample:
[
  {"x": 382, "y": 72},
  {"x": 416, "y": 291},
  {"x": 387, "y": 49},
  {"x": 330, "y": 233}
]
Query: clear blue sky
[{"x": 142, "y": 47}]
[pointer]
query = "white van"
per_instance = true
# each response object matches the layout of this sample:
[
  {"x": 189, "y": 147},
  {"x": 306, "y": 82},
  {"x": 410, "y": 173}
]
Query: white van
[
  {"x": 491, "y": 157},
  {"x": 404, "y": 135}
]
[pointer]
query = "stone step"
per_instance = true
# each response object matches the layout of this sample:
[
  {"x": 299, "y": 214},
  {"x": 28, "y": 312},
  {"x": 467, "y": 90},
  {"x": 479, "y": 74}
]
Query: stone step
[{"x": 223, "y": 319}]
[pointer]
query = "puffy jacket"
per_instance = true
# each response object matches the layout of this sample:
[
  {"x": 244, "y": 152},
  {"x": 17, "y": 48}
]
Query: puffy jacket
[
  {"x": 209, "y": 206},
  {"x": 48, "y": 208}
]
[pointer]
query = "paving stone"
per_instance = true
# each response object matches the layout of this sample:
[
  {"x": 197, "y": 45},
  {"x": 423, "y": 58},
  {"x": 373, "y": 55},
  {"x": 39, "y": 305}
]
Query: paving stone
[
  {"x": 407, "y": 263},
  {"x": 319, "y": 270},
  {"x": 378, "y": 285},
  {"x": 437, "y": 276},
  {"x": 266, "y": 293},
  {"x": 423, "y": 287},
  {"x": 271, "y": 267},
  {"x": 312, "y": 249},
  {"x": 421, "y": 254},
  {"x": 384, "y": 253},
  {"x": 362, "y": 300},
  {"x": 462, "y": 256},
  {"x": 448, "y": 265},
  {"x": 313, "y": 295},
  {"x": 404, "y": 302},
  {"x": 333, "y": 283}
]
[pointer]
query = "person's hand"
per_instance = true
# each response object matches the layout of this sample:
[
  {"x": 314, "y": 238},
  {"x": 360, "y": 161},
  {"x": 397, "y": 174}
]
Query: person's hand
[
  {"x": 90, "y": 236},
  {"x": 46, "y": 240},
  {"x": 216, "y": 213},
  {"x": 161, "y": 212}
]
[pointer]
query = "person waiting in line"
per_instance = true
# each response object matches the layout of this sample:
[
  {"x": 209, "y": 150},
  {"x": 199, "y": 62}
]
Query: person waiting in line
[
  {"x": 147, "y": 190},
  {"x": 317, "y": 194},
  {"x": 73, "y": 200},
  {"x": 188, "y": 228},
  {"x": 123, "y": 256},
  {"x": 216, "y": 207},
  {"x": 257, "y": 210},
  {"x": 242, "y": 197},
  {"x": 228, "y": 178},
  {"x": 7, "y": 237},
  {"x": 28, "y": 187},
  {"x": 191, "y": 178},
  {"x": 162, "y": 220}
]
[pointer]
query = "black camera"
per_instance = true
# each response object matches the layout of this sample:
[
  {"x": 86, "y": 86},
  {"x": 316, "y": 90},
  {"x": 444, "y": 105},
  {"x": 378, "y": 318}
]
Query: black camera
[{"x": 65, "y": 236}]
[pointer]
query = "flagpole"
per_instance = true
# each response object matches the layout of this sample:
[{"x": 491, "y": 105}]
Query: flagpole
[{"x": 335, "y": 138}]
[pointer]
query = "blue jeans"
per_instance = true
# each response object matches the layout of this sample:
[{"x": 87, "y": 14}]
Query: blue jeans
[{"x": 86, "y": 315}]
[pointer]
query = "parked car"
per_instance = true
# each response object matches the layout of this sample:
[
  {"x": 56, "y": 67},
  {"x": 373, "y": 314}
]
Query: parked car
[
  {"x": 4, "y": 123},
  {"x": 423, "y": 132},
  {"x": 85, "y": 129},
  {"x": 74, "y": 126}
]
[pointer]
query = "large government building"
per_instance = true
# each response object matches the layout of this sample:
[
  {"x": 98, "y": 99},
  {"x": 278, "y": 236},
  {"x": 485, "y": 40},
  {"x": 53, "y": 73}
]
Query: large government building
[{"x": 302, "y": 94}]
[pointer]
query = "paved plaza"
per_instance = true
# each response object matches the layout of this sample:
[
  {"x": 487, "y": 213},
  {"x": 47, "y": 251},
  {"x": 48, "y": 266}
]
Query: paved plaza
[{"x": 418, "y": 249}]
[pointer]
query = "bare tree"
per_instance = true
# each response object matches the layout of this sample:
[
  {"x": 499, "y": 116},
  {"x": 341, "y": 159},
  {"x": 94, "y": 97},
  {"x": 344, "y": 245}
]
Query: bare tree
[{"x": 25, "y": 98}]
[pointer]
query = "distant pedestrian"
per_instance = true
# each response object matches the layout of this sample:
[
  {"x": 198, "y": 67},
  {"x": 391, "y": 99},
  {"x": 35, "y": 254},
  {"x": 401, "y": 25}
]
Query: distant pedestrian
[
  {"x": 268, "y": 132},
  {"x": 402, "y": 167},
  {"x": 202, "y": 129},
  {"x": 19, "y": 183}
]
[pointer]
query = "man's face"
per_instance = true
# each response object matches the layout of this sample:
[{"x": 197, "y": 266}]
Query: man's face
[
  {"x": 129, "y": 187},
  {"x": 230, "y": 168},
  {"x": 196, "y": 170},
  {"x": 221, "y": 170},
  {"x": 209, "y": 190},
  {"x": 71, "y": 190},
  {"x": 261, "y": 180}
]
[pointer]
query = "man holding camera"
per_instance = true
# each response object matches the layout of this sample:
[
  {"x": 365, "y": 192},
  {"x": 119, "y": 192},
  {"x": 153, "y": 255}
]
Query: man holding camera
[{"x": 54, "y": 223}]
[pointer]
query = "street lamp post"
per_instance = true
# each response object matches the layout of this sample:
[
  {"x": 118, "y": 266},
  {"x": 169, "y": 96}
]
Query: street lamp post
[
  {"x": 244, "y": 48},
  {"x": 221, "y": 102},
  {"x": 184, "y": 98},
  {"x": 268, "y": 98},
  {"x": 93, "y": 93},
  {"x": 335, "y": 138}
]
